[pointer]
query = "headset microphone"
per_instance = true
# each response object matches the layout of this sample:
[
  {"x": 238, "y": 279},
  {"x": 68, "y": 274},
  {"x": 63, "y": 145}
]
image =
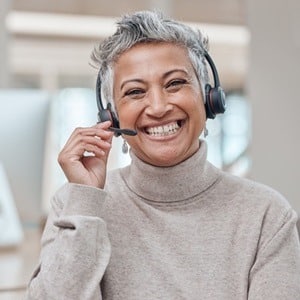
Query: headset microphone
[
  {"x": 109, "y": 115},
  {"x": 119, "y": 131}
]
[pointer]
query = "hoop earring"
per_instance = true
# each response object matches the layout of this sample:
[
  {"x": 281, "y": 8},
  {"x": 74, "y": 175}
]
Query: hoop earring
[{"x": 125, "y": 147}]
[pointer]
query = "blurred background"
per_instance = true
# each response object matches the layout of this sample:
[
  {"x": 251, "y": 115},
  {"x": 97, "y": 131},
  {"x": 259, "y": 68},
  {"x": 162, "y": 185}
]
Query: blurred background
[{"x": 47, "y": 88}]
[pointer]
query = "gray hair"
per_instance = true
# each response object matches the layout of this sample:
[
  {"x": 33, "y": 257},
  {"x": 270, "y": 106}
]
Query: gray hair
[{"x": 144, "y": 27}]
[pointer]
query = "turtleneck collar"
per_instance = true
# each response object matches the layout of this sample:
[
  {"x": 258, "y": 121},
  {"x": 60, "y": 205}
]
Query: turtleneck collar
[{"x": 171, "y": 184}]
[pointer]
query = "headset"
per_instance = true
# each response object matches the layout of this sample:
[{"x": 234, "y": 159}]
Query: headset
[
  {"x": 214, "y": 96},
  {"x": 214, "y": 102}
]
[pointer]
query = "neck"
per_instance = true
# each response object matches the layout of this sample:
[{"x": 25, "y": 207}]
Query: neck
[{"x": 171, "y": 184}]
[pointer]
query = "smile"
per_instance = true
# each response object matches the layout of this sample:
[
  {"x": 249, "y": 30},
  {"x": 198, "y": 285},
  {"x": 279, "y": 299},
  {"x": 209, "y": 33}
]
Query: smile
[{"x": 164, "y": 130}]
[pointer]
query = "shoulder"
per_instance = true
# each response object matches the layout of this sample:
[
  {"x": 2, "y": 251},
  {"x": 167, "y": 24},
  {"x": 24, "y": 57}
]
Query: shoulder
[
  {"x": 251, "y": 203},
  {"x": 252, "y": 192},
  {"x": 258, "y": 210}
]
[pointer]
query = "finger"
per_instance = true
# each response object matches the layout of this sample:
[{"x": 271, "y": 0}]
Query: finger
[
  {"x": 103, "y": 125},
  {"x": 95, "y": 151},
  {"x": 94, "y": 142},
  {"x": 80, "y": 134},
  {"x": 79, "y": 144},
  {"x": 91, "y": 131}
]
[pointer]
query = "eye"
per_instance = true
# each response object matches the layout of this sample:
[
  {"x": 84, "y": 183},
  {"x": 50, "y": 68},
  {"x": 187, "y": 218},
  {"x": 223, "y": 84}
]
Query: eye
[
  {"x": 135, "y": 93},
  {"x": 175, "y": 84}
]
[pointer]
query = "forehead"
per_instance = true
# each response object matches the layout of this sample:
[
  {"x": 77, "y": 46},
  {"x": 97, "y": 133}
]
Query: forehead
[{"x": 150, "y": 56}]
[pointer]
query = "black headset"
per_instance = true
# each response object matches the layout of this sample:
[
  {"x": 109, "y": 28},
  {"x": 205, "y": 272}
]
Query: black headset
[
  {"x": 214, "y": 96},
  {"x": 214, "y": 104}
]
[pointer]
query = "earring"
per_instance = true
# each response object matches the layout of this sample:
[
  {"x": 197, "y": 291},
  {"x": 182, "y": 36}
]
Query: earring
[{"x": 124, "y": 147}]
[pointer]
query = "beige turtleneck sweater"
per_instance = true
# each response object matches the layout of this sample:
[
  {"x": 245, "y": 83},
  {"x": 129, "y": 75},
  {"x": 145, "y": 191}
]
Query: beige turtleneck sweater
[{"x": 183, "y": 232}]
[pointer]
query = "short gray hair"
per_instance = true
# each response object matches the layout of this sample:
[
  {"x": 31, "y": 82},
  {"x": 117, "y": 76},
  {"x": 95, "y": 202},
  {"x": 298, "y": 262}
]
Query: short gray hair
[{"x": 145, "y": 27}]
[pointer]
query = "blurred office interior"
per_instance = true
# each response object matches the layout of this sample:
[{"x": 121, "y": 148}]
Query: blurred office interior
[{"x": 47, "y": 89}]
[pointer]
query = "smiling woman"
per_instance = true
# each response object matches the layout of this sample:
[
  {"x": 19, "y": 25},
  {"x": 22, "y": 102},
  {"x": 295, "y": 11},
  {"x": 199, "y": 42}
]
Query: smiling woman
[{"x": 170, "y": 225}]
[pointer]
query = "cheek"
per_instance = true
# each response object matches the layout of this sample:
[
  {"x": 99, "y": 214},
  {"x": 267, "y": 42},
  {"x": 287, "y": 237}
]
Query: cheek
[
  {"x": 197, "y": 106},
  {"x": 128, "y": 113},
  {"x": 202, "y": 114},
  {"x": 198, "y": 116}
]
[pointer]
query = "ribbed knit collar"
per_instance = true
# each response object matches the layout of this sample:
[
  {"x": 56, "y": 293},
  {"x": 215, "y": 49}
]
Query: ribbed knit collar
[{"x": 171, "y": 184}]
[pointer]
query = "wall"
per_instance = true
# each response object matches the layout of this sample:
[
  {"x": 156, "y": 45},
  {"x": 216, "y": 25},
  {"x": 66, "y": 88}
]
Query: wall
[
  {"x": 273, "y": 90},
  {"x": 4, "y": 42}
]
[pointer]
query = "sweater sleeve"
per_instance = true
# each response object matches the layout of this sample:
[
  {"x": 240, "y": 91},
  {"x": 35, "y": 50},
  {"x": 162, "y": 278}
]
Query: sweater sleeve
[
  {"x": 276, "y": 271},
  {"x": 75, "y": 247}
]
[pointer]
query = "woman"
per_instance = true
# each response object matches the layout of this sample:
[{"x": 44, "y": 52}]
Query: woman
[{"x": 170, "y": 225}]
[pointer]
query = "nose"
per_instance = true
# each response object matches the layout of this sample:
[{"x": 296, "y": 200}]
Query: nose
[{"x": 158, "y": 104}]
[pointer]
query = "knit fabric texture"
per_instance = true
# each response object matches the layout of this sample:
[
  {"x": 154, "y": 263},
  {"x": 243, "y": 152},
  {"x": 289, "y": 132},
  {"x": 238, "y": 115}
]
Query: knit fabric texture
[{"x": 189, "y": 231}]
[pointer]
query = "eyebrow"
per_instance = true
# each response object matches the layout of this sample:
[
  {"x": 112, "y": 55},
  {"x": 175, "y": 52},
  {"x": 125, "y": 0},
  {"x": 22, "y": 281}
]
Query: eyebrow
[
  {"x": 174, "y": 71},
  {"x": 165, "y": 75},
  {"x": 131, "y": 80}
]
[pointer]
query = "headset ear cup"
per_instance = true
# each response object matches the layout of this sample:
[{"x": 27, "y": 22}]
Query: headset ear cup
[
  {"x": 108, "y": 115},
  {"x": 215, "y": 101},
  {"x": 104, "y": 115},
  {"x": 208, "y": 109},
  {"x": 218, "y": 100}
]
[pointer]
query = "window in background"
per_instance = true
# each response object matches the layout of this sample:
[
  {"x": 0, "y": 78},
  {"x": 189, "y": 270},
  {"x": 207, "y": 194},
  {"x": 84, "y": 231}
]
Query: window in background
[
  {"x": 229, "y": 136},
  {"x": 23, "y": 116},
  {"x": 69, "y": 108}
]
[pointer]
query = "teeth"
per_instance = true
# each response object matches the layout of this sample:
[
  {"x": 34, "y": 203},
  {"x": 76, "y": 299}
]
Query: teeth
[{"x": 163, "y": 130}]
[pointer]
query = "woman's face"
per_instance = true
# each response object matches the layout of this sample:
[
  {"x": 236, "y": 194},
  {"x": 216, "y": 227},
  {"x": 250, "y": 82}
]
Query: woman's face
[{"x": 157, "y": 93}]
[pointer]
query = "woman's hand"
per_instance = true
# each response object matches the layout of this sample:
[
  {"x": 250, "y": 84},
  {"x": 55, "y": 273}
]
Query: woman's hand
[{"x": 87, "y": 169}]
